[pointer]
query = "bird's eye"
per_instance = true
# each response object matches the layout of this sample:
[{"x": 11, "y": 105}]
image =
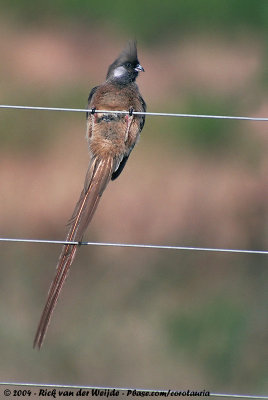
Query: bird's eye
[{"x": 128, "y": 65}]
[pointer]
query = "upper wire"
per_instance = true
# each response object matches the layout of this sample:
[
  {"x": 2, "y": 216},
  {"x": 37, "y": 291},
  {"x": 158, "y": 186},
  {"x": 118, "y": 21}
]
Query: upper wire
[{"x": 159, "y": 114}]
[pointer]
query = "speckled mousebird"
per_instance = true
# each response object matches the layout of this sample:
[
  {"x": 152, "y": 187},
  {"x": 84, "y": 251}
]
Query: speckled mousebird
[{"x": 111, "y": 138}]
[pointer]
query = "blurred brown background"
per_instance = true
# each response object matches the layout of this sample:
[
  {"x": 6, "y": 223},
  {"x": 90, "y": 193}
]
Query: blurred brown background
[{"x": 133, "y": 317}]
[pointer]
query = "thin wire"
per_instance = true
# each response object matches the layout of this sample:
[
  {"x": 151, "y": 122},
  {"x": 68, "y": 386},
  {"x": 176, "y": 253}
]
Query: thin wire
[
  {"x": 140, "y": 246},
  {"x": 160, "y": 114},
  {"x": 244, "y": 396}
]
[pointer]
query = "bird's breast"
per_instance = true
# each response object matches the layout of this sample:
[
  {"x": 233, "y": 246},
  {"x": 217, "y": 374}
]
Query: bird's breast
[{"x": 108, "y": 134}]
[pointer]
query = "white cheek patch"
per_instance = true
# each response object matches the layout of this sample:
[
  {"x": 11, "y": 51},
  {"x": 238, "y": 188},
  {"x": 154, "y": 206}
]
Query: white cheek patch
[{"x": 119, "y": 71}]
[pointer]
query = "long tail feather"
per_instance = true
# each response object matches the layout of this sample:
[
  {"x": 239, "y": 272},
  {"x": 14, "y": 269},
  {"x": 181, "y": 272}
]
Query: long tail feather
[{"x": 98, "y": 175}]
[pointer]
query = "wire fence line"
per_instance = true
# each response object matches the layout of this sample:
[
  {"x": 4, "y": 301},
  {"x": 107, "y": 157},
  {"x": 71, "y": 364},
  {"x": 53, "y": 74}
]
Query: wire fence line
[
  {"x": 148, "y": 246},
  {"x": 160, "y": 114},
  {"x": 139, "y": 246},
  {"x": 122, "y": 389}
]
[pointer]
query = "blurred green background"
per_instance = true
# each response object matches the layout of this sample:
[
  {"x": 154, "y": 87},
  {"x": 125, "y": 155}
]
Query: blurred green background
[{"x": 133, "y": 317}]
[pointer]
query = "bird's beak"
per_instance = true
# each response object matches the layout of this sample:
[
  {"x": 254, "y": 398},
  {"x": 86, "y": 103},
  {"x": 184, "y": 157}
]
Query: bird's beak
[{"x": 139, "y": 68}]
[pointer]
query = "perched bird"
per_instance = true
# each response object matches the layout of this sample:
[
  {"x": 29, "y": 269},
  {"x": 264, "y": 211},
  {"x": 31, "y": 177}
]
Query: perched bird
[{"x": 111, "y": 137}]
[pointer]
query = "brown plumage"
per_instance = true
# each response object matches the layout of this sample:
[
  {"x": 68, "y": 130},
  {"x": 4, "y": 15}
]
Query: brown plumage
[{"x": 111, "y": 138}]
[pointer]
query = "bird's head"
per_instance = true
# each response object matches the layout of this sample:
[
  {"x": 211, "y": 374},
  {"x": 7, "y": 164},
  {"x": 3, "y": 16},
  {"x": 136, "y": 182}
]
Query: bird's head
[{"x": 126, "y": 67}]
